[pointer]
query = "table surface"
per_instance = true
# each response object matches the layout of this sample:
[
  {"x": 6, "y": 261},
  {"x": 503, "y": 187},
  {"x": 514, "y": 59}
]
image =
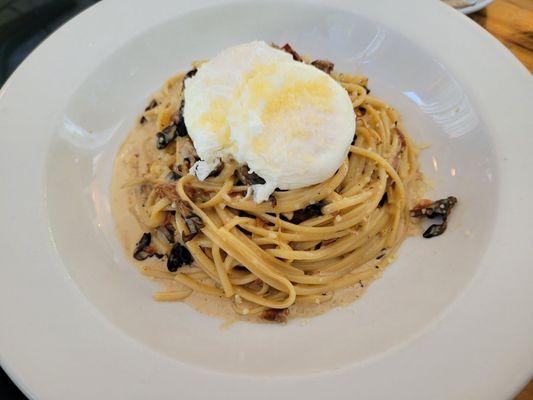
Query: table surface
[{"x": 511, "y": 22}]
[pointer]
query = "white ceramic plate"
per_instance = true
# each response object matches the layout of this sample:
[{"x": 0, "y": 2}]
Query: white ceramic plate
[{"x": 451, "y": 318}]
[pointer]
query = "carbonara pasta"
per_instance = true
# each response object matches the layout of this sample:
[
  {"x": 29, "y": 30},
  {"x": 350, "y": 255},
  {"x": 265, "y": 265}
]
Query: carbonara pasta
[{"x": 290, "y": 255}]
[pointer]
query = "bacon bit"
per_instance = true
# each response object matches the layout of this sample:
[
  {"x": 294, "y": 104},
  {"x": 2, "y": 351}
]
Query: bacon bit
[
  {"x": 274, "y": 315},
  {"x": 167, "y": 190},
  {"x": 327, "y": 242},
  {"x": 323, "y": 65},
  {"x": 288, "y": 49},
  {"x": 261, "y": 223},
  {"x": 397, "y": 131},
  {"x": 422, "y": 204},
  {"x": 142, "y": 120},
  {"x": 197, "y": 194},
  {"x": 273, "y": 200},
  {"x": 235, "y": 195}
]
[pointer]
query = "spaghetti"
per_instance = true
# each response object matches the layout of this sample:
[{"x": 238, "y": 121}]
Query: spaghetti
[{"x": 297, "y": 251}]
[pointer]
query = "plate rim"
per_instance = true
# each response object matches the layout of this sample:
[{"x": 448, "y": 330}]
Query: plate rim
[{"x": 100, "y": 8}]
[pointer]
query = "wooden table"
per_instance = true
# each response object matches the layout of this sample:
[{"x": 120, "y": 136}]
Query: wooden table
[{"x": 511, "y": 22}]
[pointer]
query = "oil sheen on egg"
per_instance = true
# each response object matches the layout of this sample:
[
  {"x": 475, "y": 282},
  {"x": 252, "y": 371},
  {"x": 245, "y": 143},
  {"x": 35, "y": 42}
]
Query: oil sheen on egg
[{"x": 291, "y": 123}]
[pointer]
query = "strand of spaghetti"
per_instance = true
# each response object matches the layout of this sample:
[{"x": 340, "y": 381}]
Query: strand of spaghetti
[
  {"x": 263, "y": 260},
  {"x": 381, "y": 161},
  {"x": 346, "y": 281},
  {"x": 219, "y": 197},
  {"x": 250, "y": 260},
  {"x": 175, "y": 295},
  {"x": 222, "y": 275},
  {"x": 237, "y": 250},
  {"x": 229, "y": 263},
  {"x": 157, "y": 217},
  {"x": 242, "y": 279},
  {"x": 315, "y": 299},
  {"x": 295, "y": 199},
  {"x": 346, "y": 202},
  {"x": 290, "y": 237},
  {"x": 202, "y": 260},
  {"x": 349, "y": 220},
  {"x": 227, "y": 172},
  {"x": 278, "y": 265},
  {"x": 153, "y": 273},
  {"x": 264, "y": 301},
  {"x": 199, "y": 287},
  {"x": 341, "y": 246}
]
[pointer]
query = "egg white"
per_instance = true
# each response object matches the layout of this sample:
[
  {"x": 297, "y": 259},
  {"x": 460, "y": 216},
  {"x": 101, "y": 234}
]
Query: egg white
[{"x": 291, "y": 123}]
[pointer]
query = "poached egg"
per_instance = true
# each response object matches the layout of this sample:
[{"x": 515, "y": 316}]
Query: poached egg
[{"x": 289, "y": 122}]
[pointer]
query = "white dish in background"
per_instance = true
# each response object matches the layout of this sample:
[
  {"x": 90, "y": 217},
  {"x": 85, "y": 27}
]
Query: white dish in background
[
  {"x": 451, "y": 317},
  {"x": 475, "y": 7}
]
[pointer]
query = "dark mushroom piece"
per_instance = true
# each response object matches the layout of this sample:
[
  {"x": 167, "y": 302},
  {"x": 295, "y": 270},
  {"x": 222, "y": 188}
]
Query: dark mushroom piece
[
  {"x": 178, "y": 257},
  {"x": 440, "y": 208},
  {"x": 383, "y": 200},
  {"x": 435, "y": 230},
  {"x": 172, "y": 176},
  {"x": 143, "y": 250},
  {"x": 311, "y": 211},
  {"x": 179, "y": 121},
  {"x": 191, "y": 73},
  {"x": 381, "y": 254},
  {"x": 166, "y": 136},
  {"x": 167, "y": 230},
  {"x": 247, "y": 178},
  {"x": 194, "y": 222},
  {"x": 216, "y": 172}
]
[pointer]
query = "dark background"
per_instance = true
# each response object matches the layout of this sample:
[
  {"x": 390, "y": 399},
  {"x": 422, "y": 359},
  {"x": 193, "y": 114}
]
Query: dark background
[{"x": 23, "y": 25}]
